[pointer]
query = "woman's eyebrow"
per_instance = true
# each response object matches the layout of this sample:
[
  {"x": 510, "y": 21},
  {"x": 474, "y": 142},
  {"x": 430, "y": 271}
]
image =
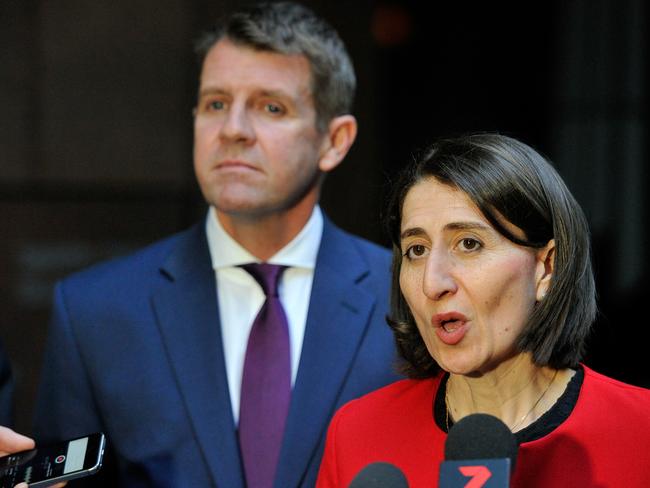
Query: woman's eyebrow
[
  {"x": 411, "y": 232},
  {"x": 418, "y": 231},
  {"x": 467, "y": 226}
]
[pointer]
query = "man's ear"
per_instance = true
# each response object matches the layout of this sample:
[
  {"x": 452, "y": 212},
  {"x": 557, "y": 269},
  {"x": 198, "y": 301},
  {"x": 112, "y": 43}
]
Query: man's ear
[
  {"x": 341, "y": 133},
  {"x": 544, "y": 270}
]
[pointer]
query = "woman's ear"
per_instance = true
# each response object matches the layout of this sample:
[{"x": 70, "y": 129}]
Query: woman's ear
[
  {"x": 341, "y": 133},
  {"x": 544, "y": 270}
]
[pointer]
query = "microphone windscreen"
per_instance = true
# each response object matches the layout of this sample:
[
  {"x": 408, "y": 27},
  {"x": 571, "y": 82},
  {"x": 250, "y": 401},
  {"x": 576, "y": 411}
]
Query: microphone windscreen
[
  {"x": 379, "y": 475},
  {"x": 480, "y": 436}
]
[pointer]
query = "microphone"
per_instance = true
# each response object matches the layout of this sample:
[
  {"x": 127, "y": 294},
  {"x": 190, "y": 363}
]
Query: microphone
[
  {"x": 379, "y": 475},
  {"x": 480, "y": 451}
]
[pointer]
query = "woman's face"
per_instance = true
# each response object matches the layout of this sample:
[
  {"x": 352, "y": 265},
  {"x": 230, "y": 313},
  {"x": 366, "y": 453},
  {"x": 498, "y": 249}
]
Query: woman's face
[{"x": 469, "y": 288}]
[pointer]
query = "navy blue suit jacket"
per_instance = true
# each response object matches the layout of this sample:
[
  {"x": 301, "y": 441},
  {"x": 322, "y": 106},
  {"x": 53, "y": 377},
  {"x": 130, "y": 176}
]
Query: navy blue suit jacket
[{"x": 135, "y": 350}]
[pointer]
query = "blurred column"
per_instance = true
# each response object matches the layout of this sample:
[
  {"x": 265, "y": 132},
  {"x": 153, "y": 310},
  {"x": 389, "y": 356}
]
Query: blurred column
[{"x": 600, "y": 127}]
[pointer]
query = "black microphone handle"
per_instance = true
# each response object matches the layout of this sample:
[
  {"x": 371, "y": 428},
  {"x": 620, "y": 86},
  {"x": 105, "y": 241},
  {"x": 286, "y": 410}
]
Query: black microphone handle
[{"x": 379, "y": 475}]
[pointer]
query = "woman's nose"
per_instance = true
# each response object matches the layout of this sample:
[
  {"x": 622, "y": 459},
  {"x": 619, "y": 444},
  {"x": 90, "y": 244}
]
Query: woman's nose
[{"x": 438, "y": 280}]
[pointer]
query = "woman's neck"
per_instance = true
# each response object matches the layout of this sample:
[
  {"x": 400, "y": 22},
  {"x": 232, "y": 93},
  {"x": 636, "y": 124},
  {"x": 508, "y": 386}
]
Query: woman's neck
[{"x": 518, "y": 392}]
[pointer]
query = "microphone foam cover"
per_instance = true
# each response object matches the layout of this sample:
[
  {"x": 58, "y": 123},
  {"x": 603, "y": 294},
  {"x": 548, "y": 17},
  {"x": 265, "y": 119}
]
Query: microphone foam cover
[
  {"x": 480, "y": 436},
  {"x": 379, "y": 475}
]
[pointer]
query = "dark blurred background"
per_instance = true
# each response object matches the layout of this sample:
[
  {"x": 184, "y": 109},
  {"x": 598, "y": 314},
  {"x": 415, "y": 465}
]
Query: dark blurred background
[{"x": 96, "y": 133}]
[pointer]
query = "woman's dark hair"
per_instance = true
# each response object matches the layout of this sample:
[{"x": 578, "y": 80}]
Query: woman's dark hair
[{"x": 507, "y": 179}]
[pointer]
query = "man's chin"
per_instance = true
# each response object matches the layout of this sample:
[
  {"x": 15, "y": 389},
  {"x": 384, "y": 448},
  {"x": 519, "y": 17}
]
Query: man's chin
[{"x": 242, "y": 209}]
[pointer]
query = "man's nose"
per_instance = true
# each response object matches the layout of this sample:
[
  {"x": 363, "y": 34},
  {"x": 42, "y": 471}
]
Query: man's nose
[{"x": 237, "y": 126}]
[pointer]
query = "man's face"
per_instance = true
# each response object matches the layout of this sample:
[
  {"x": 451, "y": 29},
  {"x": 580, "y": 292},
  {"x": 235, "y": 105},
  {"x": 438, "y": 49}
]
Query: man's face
[{"x": 256, "y": 146}]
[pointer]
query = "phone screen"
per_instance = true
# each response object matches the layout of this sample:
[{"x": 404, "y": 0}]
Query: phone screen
[{"x": 58, "y": 462}]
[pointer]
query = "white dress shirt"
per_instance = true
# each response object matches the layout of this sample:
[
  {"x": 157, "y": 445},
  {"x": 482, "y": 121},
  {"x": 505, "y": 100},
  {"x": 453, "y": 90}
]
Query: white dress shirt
[{"x": 240, "y": 297}]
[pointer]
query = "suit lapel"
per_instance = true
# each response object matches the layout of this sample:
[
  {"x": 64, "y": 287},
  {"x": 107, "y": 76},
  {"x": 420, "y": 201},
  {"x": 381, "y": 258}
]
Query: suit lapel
[
  {"x": 188, "y": 317},
  {"x": 338, "y": 316}
]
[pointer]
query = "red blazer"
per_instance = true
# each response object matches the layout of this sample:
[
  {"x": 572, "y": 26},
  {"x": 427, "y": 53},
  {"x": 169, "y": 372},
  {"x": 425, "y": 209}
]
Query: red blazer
[{"x": 605, "y": 442}]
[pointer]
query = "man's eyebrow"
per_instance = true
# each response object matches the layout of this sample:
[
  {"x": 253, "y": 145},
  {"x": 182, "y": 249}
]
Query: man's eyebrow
[
  {"x": 264, "y": 93},
  {"x": 211, "y": 91},
  {"x": 274, "y": 93}
]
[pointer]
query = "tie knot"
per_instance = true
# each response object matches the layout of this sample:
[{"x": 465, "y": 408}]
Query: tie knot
[{"x": 267, "y": 275}]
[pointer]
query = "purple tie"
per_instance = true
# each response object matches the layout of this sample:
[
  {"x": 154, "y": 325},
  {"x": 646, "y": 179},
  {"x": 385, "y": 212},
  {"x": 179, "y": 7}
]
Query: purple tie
[{"x": 266, "y": 383}]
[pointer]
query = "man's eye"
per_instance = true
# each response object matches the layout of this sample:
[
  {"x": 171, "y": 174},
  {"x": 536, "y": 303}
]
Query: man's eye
[
  {"x": 273, "y": 108},
  {"x": 415, "y": 251},
  {"x": 215, "y": 105}
]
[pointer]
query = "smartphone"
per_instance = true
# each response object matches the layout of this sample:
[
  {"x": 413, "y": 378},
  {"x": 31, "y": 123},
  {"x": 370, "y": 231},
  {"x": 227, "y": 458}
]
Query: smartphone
[{"x": 47, "y": 465}]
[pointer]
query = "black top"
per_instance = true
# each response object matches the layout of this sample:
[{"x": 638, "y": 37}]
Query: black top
[{"x": 558, "y": 413}]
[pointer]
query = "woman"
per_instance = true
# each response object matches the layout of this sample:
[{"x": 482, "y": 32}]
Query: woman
[{"x": 493, "y": 298}]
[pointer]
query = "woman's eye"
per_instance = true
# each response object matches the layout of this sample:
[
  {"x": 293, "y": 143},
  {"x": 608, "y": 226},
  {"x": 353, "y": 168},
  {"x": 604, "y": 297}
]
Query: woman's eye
[
  {"x": 416, "y": 251},
  {"x": 469, "y": 244}
]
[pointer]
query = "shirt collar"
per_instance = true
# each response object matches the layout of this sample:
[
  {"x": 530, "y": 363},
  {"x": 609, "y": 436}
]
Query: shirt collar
[{"x": 301, "y": 252}]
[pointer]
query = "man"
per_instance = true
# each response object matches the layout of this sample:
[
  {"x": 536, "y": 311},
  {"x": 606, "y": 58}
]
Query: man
[
  {"x": 11, "y": 442},
  {"x": 6, "y": 390},
  {"x": 160, "y": 350}
]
